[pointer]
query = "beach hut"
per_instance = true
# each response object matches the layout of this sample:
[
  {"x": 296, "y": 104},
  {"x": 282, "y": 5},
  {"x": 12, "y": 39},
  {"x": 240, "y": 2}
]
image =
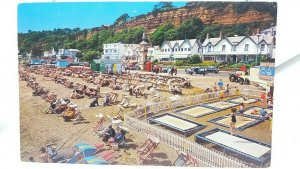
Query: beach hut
[
  {"x": 62, "y": 63},
  {"x": 106, "y": 65}
]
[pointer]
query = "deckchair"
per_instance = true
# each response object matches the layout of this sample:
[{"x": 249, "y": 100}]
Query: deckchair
[
  {"x": 181, "y": 160},
  {"x": 100, "y": 122},
  {"x": 148, "y": 147}
]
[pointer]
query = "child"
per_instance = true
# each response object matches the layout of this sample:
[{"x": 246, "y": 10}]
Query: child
[
  {"x": 241, "y": 112},
  {"x": 222, "y": 97}
]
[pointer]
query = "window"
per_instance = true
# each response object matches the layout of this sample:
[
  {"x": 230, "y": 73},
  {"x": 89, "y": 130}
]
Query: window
[
  {"x": 106, "y": 50},
  {"x": 189, "y": 49},
  {"x": 168, "y": 50},
  {"x": 223, "y": 48},
  {"x": 185, "y": 49},
  {"x": 105, "y": 46},
  {"x": 234, "y": 48},
  {"x": 175, "y": 49},
  {"x": 115, "y": 51},
  {"x": 209, "y": 49},
  {"x": 246, "y": 47},
  {"x": 181, "y": 49},
  {"x": 262, "y": 47},
  {"x": 172, "y": 50}
]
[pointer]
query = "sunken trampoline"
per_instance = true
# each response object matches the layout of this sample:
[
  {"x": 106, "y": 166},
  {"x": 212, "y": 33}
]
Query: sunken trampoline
[
  {"x": 239, "y": 100},
  {"x": 177, "y": 124},
  {"x": 196, "y": 111},
  {"x": 218, "y": 105},
  {"x": 248, "y": 112},
  {"x": 249, "y": 150},
  {"x": 241, "y": 124}
]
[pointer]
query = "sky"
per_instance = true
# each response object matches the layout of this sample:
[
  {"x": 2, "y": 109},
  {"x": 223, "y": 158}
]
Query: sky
[{"x": 47, "y": 16}]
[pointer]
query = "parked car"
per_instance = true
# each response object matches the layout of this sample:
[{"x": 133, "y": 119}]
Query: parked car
[
  {"x": 200, "y": 70},
  {"x": 136, "y": 67},
  {"x": 166, "y": 69},
  {"x": 196, "y": 70},
  {"x": 212, "y": 69}
]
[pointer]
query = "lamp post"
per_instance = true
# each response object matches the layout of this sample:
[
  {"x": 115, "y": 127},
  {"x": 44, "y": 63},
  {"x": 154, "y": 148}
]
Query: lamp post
[{"x": 257, "y": 48}]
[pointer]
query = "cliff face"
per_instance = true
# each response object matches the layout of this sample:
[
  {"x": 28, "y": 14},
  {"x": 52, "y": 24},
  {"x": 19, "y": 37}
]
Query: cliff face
[
  {"x": 224, "y": 17},
  {"x": 177, "y": 16}
]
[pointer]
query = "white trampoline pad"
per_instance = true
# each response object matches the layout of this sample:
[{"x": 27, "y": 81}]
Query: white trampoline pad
[
  {"x": 221, "y": 105},
  {"x": 248, "y": 112},
  {"x": 241, "y": 100},
  {"x": 240, "y": 121},
  {"x": 176, "y": 122},
  {"x": 196, "y": 111},
  {"x": 240, "y": 144}
]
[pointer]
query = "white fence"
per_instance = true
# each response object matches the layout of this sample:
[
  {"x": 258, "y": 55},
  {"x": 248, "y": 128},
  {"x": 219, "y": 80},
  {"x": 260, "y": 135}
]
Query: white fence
[
  {"x": 183, "y": 102},
  {"x": 204, "y": 156},
  {"x": 250, "y": 92}
]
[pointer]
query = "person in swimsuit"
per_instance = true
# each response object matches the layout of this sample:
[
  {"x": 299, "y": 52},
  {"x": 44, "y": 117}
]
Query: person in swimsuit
[
  {"x": 233, "y": 120},
  {"x": 241, "y": 111}
]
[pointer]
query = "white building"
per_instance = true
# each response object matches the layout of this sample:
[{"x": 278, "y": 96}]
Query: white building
[
  {"x": 131, "y": 53},
  {"x": 153, "y": 52},
  {"x": 178, "y": 49},
  {"x": 113, "y": 50},
  {"x": 67, "y": 52},
  {"x": 50, "y": 53},
  {"x": 269, "y": 32},
  {"x": 73, "y": 52},
  {"x": 62, "y": 52},
  {"x": 237, "y": 48}
]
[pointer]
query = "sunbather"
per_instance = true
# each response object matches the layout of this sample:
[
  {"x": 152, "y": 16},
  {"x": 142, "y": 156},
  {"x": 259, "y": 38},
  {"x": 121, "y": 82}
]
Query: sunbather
[
  {"x": 111, "y": 133},
  {"x": 94, "y": 102}
]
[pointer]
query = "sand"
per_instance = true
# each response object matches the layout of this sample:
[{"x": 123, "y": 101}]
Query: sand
[{"x": 39, "y": 129}]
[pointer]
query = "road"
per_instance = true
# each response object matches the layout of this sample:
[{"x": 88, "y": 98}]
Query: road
[{"x": 206, "y": 81}]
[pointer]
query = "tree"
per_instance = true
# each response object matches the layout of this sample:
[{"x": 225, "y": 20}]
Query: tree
[
  {"x": 163, "y": 32},
  {"x": 162, "y": 6},
  {"x": 90, "y": 55},
  {"x": 194, "y": 59},
  {"x": 79, "y": 55},
  {"x": 122, "y": 19},
  {"x": 36, "y": 51},
  {"x": 190, "y": 28}
]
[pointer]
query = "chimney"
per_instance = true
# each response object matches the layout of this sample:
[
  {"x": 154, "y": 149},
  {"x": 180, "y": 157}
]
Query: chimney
[
  {"x": 221, "y": 35},
  {"x": 257, "y": 31},
  {"x": 207, "y": 36}
]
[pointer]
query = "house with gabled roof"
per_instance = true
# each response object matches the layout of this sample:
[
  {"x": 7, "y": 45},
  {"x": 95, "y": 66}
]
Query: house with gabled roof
[
  {"x": 237, "y": 48},
  {"x": 178, "y": 49}
]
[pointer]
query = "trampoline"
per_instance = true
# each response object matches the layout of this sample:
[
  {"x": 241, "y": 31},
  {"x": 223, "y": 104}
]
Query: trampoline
[
  {"x": 178, "y": 124},
  {"x": 218, "y": 106},
  {"x": 250, "y": 149},
  {"x": 196, "y": 111},
  {"x": 249, "y": 110},
  {"x": 241, "y": 124},
  {"x": 239, "y": 100}
]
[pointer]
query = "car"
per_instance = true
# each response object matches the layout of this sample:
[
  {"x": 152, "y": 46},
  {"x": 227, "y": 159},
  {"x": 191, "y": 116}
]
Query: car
[
  {"x": 136, "y": 67},
  {"x": 196, "y": 70},
  {"x": 212, "y": 69},
  {"x": 166, "y": 69},
  {"x": 200, "y": 70}
]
